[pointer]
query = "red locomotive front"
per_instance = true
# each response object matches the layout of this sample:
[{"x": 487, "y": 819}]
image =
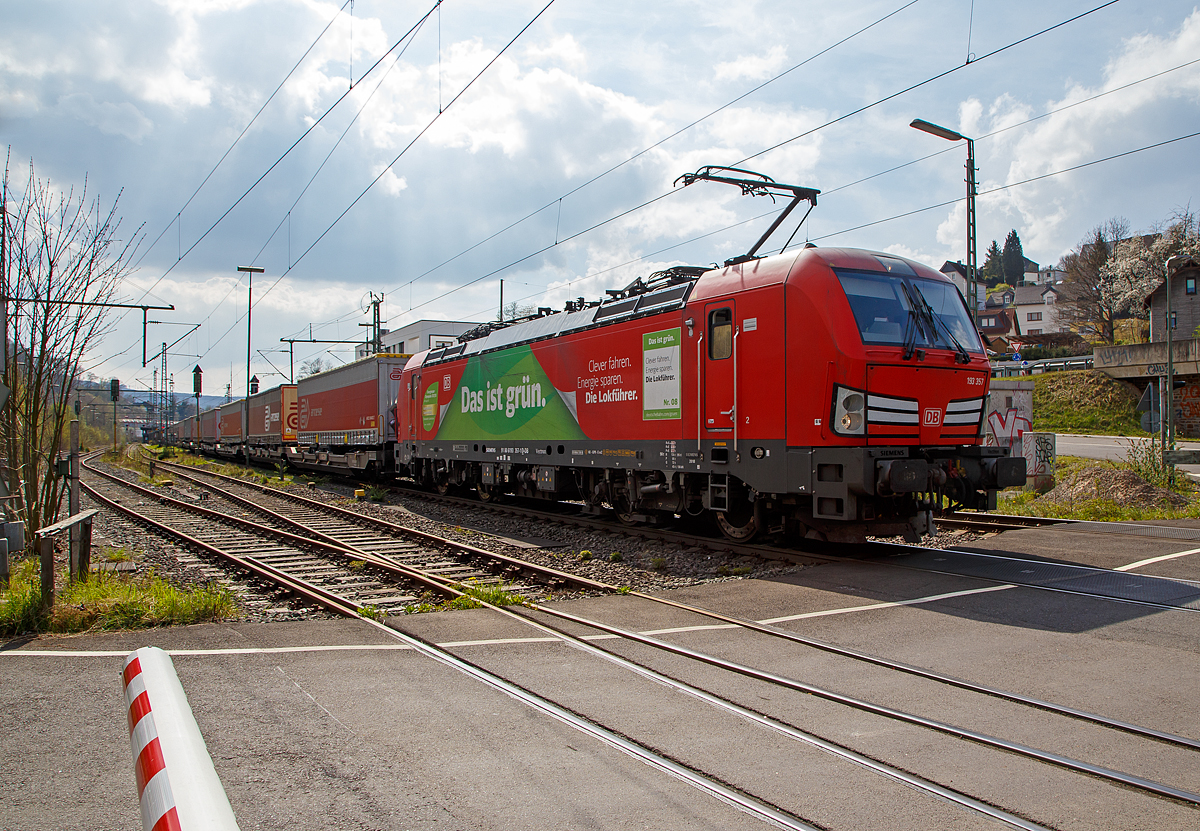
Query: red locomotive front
[{"x": 827, "y": 393}]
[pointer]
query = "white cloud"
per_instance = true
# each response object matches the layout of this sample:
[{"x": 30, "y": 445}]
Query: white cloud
[
  {"x": 112, "y": 119},
  {"x": 753, "y": 67},
  {"x": 564, "y": 50},
  {"x": 392, "y": 184},
  {"x": 1115, "y": 123}
]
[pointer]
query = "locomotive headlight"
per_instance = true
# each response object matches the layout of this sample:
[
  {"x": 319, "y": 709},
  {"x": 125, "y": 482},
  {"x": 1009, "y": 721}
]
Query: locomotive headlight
[{"x": 849, "y": 416}]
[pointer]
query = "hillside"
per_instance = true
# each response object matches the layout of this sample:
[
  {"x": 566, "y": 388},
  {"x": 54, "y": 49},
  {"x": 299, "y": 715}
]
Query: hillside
[{"x": 1085, "y": 401}]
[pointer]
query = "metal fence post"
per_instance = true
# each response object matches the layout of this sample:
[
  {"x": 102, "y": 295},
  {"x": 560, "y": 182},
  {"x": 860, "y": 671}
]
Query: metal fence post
[{"x": 46, "y": 550}]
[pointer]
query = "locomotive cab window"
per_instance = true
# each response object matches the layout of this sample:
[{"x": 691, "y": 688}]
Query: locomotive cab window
[
  {"x": 897, "y": 309},
  {"x": 720, "y": 334}
]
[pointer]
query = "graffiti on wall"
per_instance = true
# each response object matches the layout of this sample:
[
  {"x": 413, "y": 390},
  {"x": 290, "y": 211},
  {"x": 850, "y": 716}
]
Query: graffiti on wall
[
  {"x": 1040, "y": 457},
  {"x": 1004, "y": 430},
  {"x": 1187, "y": 410}
]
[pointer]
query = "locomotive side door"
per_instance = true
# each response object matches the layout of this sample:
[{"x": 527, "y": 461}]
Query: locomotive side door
[
  {"x": 414, "y": 405},
  {"x": 719, "y": 355}
]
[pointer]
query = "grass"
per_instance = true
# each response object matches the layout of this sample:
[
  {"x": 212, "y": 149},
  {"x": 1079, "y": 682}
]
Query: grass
[
  {"x": 107, "y": 601},
  {"x": 471, "y": 597},
  {"x": 115, "y": 555},
  {"x": 1085, "y": 401},
  {"x": 1141, "y": 461}
]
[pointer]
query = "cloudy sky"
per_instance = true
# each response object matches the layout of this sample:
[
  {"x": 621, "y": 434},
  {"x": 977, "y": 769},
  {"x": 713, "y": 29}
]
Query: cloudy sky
[{"x": 553, "y": 168}]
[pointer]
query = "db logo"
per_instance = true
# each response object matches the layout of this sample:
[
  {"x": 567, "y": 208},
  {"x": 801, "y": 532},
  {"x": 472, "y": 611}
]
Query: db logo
[
  {"x": 445, "y": 382},
  {"x": 933, "y": 417},
  {"x": 397, "y": 373}
]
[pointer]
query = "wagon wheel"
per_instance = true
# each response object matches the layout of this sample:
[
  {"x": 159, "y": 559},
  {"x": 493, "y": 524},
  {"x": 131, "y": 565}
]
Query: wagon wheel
[{"x": 740, "y": 523}]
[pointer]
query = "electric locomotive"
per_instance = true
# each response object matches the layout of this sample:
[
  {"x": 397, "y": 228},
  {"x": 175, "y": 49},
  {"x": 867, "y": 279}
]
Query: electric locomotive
[{"x": 826, "y": 392}]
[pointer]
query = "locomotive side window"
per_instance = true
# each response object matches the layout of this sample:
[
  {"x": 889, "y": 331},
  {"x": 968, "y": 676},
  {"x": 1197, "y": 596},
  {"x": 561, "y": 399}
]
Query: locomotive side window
[{"x": 720, "y": 334}]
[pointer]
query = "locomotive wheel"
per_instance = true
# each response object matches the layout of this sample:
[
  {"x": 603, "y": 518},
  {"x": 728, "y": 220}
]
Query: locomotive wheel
[
  {"x": 486, "y": 493},
  {"x": 443, "y": 487},
  {"x": 740, "y": 523},
  {"x": 624, "y": 511}
]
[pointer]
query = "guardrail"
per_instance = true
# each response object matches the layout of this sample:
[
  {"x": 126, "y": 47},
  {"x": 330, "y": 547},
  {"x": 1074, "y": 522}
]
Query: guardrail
[
  {"x": 79, "y": 564},
  {"x": 178, "y": 787},
  {"x": 1003, "y": 369}
]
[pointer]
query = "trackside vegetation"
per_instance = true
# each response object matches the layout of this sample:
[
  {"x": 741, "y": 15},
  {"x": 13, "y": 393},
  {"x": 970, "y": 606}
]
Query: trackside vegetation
[
  {"x": 107, "y": 600},
  {"x": 1085, "y": 401},
  {"x": 1135, "y": 490}
]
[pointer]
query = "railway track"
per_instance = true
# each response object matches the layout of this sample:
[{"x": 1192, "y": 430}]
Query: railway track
[
  {"x": 993, "y": 523},
  {"x": 340, "y": 559},
  {"x": 316, "y": 572}
]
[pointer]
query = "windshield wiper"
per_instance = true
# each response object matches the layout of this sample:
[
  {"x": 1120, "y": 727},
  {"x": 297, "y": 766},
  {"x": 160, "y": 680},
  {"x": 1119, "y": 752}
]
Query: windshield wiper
[
  {"x": 935, "y": 322},
  {"x": 916, "y": 316}
]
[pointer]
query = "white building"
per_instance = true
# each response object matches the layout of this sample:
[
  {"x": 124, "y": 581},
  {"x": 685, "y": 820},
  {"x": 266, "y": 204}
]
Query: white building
[
  {"x": 1045, "y": 276},
  {"x": 418, "y": 336},
  {"x": 1036, "y": 309}
]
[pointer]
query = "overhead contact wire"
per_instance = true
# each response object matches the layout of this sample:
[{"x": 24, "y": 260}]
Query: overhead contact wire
[
  {"x": 406, "y": 148},
  {"x": 857, "y": 111}
]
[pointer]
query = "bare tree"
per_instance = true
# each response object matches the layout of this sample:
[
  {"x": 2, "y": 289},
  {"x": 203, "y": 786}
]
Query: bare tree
[
  {"x": 57, "y": 251},
  {"x": 1086, "y": 306},
  {"x": 313, "y": 367},
  {"x": 515, "y": 310}
]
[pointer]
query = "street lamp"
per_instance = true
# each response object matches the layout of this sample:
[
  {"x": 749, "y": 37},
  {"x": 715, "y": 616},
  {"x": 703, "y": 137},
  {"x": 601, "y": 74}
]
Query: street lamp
[
  {"x": 950, "y": 135},
  {"x": 249, "y": 271}
]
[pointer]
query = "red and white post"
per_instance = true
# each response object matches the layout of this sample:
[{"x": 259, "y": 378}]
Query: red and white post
[{"x": 177, "y": 784}]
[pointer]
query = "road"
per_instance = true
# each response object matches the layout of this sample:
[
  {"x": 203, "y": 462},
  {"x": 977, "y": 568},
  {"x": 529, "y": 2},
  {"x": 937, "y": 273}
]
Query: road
[
  {"x": 1113, "y": 448},
  {"x": 330, "y": 725}
]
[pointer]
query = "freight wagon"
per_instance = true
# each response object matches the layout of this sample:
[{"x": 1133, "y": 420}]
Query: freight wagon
[
  {"x": 274, "y": 417},
  {"x": 345, "y": 417}
]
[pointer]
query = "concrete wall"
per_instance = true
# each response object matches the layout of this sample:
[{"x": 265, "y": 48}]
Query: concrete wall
[
  {"x": 1147, "y": 360},
  {"x": 1009, "y": 413}
]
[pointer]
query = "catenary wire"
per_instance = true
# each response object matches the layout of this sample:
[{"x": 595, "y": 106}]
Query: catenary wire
[
  {"x": 990, "y": 54},
  {"x": 661, "y": 141},
  {"x": 944, "y": 204},
  {"x": 388, "y": 167},
  {"x": 809, "y": 132},
  {"x": 308, "y": 131},
  {"x": 241, "y": 135}
]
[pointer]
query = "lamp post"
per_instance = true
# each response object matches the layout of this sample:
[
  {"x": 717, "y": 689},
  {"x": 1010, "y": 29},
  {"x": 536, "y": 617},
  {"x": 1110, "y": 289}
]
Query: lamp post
[
  {"x": 249, "y": 271},
  {"x": 951, "y": 135}
]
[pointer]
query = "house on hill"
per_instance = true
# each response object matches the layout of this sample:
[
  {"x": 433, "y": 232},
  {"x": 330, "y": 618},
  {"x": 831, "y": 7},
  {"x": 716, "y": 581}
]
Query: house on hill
[
  {"x": 1185, "y": 307},
  {"x": 1035, "y": 306}
]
